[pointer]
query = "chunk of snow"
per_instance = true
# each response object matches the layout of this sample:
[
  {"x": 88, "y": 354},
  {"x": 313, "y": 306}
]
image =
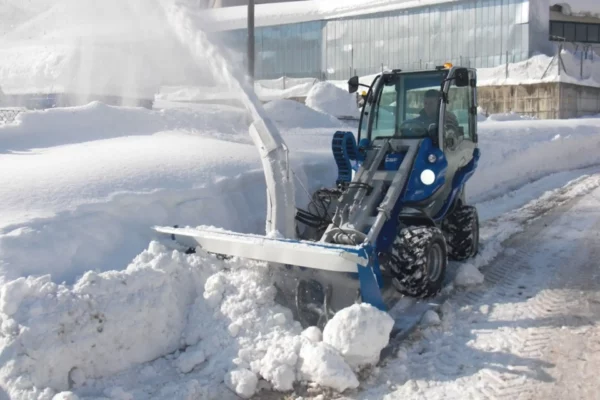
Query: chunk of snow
[
  {"x": 190, "y": 358},
  {"x": 468, "y": 275},
  {"x": 65, "y": 396},
  {"x": 234, "y": 329},
  {"x": 313, "y": 334},
  {"x": 279, "y": 319},
  {"x": 242, "y": 381},
  {"x": 322, "y": 364},
  {"x": 359, "y": 333},
  {"x": 430, "y": 318},
  {"x": 330, "y": 99}
]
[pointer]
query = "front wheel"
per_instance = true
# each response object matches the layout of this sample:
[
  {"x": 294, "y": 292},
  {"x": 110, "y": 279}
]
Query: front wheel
[
  {"x": 418, "y": 261},
  {"x": 462, "y": 229}
]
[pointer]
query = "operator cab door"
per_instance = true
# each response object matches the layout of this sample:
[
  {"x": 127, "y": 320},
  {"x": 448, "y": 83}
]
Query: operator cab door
[{"x": 460, "y": 123}]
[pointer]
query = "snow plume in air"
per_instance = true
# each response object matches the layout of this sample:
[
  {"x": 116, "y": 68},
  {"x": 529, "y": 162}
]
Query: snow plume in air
[{"x": 89, "y": 50}]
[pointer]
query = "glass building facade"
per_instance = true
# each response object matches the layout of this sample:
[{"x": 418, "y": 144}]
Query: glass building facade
[{"x": 477, "y": 33}]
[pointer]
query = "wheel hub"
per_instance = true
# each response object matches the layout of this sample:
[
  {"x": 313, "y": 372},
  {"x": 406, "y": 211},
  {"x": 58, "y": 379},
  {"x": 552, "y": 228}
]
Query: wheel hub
[{"x": 434, "y": 262}]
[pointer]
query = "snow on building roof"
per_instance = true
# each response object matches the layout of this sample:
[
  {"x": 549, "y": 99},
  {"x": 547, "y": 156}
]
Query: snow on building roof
[{"x": 582, "y": 8}]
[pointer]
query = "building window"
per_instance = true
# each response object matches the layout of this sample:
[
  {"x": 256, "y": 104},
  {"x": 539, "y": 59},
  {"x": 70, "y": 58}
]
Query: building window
[
  {"x": 557, "y": 29},
  {"x": 581, "y": 33},
  {"x": 569, "y": 32},
  {"x": 574, "y": 32},
  {"x": 593, "y": 31}
]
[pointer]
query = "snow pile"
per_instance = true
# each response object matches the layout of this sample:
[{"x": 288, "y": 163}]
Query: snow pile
[
  {"x": 329, "y": 99},
  {"x": 359, "y": 333},
  {"x": 217, "y": 319}
]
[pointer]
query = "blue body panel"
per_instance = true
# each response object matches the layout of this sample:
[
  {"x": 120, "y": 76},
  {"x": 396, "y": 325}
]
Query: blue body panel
[
  {"x": 371, "y": 280},
  {"x": 416, "y": 190},
  {"x": 459, "y": 180}
]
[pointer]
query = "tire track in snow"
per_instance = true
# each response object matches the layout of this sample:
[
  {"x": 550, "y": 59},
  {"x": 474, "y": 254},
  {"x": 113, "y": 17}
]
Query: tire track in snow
[{"x": 513, "y": 293}]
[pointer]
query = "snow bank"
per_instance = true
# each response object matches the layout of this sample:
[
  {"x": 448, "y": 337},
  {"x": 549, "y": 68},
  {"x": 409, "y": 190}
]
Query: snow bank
[
  {"x": 515, "y": 153},
  {"x": 98, "y": 121},
  {"x": 329, "y": 99},
  {"x": 359, "y": 333}
]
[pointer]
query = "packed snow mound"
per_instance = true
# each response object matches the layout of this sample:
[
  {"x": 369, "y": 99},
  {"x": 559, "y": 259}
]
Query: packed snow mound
[
  {"x": 359, "y": 333},
  {"x": 330, "y": 99},
  {"x": 290, "y": 114}
]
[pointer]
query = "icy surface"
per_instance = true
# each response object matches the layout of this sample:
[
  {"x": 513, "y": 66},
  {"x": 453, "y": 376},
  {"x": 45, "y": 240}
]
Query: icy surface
[
  {"x": 330, "y": 99},
  {"x": 359, "y": 333}
]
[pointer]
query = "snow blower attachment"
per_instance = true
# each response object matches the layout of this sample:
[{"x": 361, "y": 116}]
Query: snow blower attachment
[{"x": 398, "y": 210}]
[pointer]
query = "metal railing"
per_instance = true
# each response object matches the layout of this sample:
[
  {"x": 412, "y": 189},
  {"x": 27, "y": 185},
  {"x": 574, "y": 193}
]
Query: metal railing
[{"x": 8, "y": 115}]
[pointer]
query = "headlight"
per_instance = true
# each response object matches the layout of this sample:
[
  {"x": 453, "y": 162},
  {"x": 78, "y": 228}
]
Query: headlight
[
  {"x": 432, "y": 158},
  {"x": 427, "y": 177}
]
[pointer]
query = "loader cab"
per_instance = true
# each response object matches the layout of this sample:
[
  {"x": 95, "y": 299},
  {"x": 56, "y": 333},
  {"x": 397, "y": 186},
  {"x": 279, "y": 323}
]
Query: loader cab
[{"x": 439, "y": 104}]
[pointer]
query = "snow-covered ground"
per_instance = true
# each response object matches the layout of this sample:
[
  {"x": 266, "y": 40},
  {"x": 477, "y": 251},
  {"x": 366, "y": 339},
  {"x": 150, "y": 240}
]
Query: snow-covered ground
[
  {"x": 91, "y": 299},
  {"x": 95, "y": 305},
  {"x": 529, "y": 331}
]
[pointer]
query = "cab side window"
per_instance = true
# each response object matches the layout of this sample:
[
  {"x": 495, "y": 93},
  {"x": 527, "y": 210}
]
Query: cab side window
[{"x": 460, "y": 102}]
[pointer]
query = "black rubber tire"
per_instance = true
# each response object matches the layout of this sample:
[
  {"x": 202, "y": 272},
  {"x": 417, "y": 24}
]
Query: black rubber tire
[
  {"x": 462, "y": 233},
  {"x": 414, "y": 251}
]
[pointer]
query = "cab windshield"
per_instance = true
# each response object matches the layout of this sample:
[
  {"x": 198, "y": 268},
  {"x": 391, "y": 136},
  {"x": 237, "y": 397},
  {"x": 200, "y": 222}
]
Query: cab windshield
[{"x": 404, "y": 105}]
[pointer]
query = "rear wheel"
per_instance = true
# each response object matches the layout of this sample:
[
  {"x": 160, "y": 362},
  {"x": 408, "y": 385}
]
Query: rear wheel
[
  {"x": 418, "y": 261},
  {"x": 462, "y": 230}
]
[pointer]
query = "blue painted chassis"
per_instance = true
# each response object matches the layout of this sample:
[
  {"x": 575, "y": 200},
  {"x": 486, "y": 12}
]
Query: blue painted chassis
[{"x": 345, "y": 152}]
